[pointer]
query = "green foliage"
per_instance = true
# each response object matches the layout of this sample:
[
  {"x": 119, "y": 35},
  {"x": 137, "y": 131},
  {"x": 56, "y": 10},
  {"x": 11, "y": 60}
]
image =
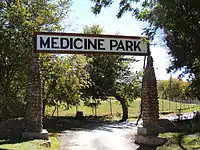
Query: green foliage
[
  {"x": 162, "y": 87},
  {"x": 19, "y": 20},
  {"x": 177, "y": 141},
  {"x": 130, "y": 88},
  {"x": 111, "y": 76},
  {"x": 124, "y": 6},
  {"x": 63, "y": 78},
  {"x": 94, "y": 29},
  {"x": 180, "y": 23},
  {"x": 173, "y": 89},
  {"x": 111, "y": 72},
  {"x": 178, "y": 20}
]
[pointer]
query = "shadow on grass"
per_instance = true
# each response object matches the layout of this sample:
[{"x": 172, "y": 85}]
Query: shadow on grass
[
  {"x": 166, "y": 112},
  {"x": 145, "y": 147},
  {"x": 180, "y": 141},
  {"x": 12, "y": 140}
]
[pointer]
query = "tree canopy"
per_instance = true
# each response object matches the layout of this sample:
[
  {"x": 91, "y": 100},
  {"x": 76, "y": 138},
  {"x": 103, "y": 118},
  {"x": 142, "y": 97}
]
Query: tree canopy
[
  {"x": 19, "y": 20},
  {"x": 111, "y": 76},
  {"x": 179, "y": 21},
  {"x": 63, "y": 79},
  {"x": 173, "y": 89}
]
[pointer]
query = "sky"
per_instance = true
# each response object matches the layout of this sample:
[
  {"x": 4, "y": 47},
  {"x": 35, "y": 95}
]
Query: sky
[{"x": 81, "y": 16}]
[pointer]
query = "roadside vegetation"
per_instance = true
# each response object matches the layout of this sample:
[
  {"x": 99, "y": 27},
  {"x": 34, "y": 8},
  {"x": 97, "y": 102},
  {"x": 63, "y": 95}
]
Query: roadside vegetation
[
  {"x": 177, "y": 141},
  {"x": 20, "y": 144},
  {"x": 188, "y": 138}
]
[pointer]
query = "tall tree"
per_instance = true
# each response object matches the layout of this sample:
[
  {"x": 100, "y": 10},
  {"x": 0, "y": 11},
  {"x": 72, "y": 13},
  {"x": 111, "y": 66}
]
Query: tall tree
[
  {"x": 19, "y": 20},
  {"x": 179, "y": 20},
  {"x": 63, "y": 79},
  {"x": 111, "y": 76},
  {"x": 173, "y": 88}
]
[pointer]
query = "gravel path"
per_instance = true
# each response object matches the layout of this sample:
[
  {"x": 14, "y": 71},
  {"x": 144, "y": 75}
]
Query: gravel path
[
  {"x": 117, "y": 136},
  {"x": 107, "y": 137}
]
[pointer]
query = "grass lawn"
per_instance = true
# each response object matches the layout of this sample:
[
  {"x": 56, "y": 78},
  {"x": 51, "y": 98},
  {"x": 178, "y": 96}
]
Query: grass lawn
[
  {"x": 134, "y": 109},
  {"x": 18, "y": 144},
  {"x": 179, "y": 141},
  {"x": 188, "y": 139}
]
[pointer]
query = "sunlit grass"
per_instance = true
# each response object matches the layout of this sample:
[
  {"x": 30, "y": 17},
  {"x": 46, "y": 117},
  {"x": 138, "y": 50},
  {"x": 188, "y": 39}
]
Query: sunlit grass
[
  {"x": 188, "y": 139},
  {"x": 18, "y": 144},
  {"x": 178, "y": 141},
  {"x": 103, "y": 109}
]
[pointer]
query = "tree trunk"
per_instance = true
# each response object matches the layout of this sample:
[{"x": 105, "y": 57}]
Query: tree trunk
[
  {"x": 43, "y": 107},
  {"x": 123, "y": 104},
  {"x": 111, "y": 108},
  {"x": 124, "y": 110},
  {"x": 54, "y": 111}
]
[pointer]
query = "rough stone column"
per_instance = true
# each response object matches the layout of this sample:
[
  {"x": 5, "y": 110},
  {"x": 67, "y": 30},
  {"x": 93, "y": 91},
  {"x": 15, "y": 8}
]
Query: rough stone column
[
  {"x": 149, "y": 97},
  {"x": 147, "y": 135},
  {"x": 33, "y": 117}
]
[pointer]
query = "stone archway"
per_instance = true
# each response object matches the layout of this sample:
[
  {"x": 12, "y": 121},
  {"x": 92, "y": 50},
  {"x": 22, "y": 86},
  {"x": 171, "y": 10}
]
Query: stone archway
[{"x": 57, "y": 43}]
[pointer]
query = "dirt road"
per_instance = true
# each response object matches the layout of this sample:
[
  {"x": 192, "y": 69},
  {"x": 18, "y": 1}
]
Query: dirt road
[
  {"x": 115, "y": 136},
  {"x": 118, "y": 136}
]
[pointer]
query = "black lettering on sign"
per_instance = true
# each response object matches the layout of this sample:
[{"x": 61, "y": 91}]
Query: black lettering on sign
[
  {"x": 64, "y": 41},
  {"x": 54, "y": 42},
  {"x": 71, "y": 43},
  {"x": 129, "y": 46},
  {"x": 120, "y": 46},
  {"x": 45, "y": 44},
  {"x": 113, "y": 43},
  {"x": 90, "y": 43},
  {"x": 137, "y": 46},
  {"x": 75, "y": 43},
  {"x": 100, "y": 44},
  {"x": 85, "y": 44}
]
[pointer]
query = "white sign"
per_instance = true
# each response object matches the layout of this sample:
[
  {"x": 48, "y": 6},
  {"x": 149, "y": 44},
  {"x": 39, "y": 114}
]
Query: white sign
[{"x": 48, "y": 42}]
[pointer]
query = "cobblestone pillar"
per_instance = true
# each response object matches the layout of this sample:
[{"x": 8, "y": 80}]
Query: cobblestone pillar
[
  {"x": 147, "y": 135},
  {"x": 33, "y": 117},
  {"x": 149, "y": 97}
]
